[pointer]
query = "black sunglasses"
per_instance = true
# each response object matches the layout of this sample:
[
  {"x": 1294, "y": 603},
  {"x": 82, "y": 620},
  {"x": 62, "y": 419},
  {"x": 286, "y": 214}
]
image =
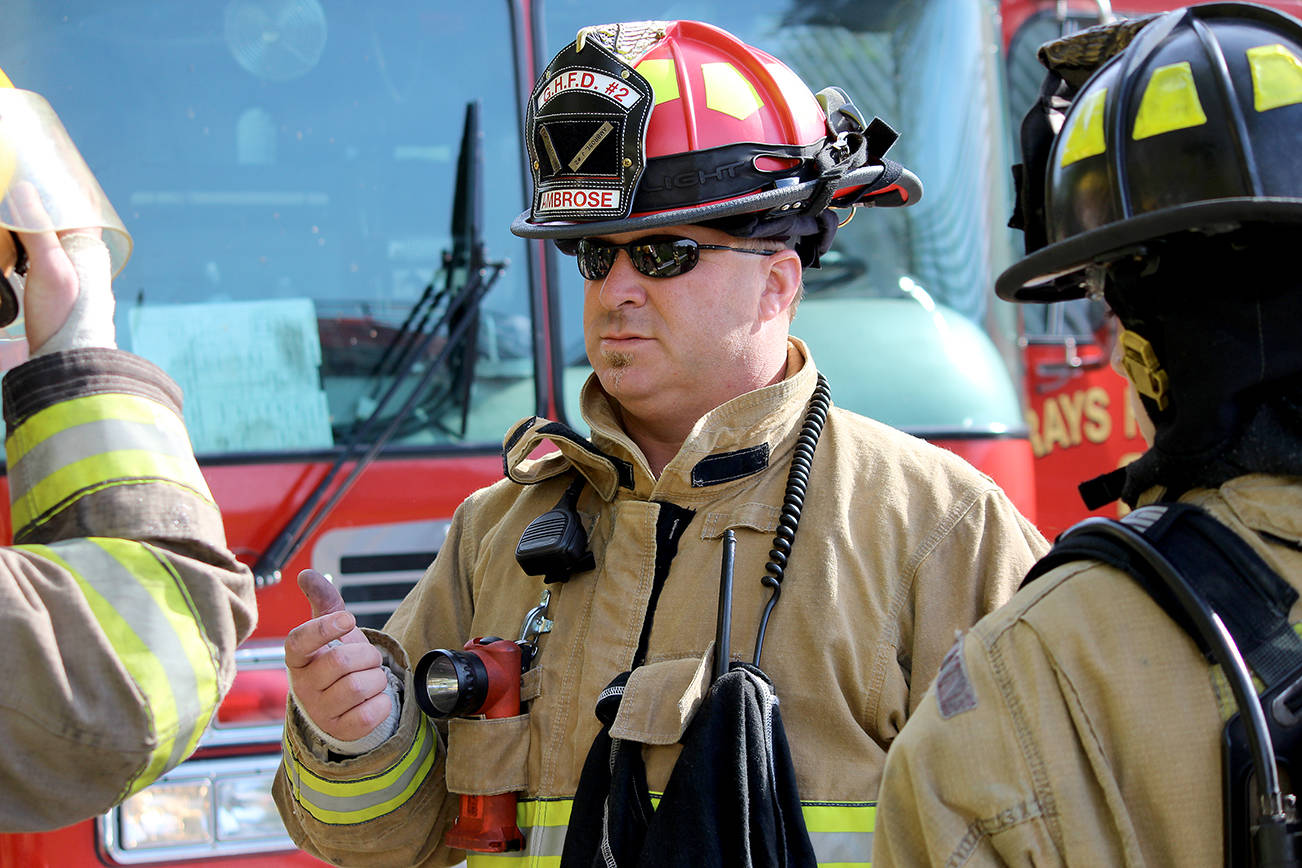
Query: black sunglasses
[{"x": 654, "y": 256}]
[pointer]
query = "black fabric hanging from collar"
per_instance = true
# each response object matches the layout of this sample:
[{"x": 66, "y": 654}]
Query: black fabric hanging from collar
[{"x": 713, "y": 814}]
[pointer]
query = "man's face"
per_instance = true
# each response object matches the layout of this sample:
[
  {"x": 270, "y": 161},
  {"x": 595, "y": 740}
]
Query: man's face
[{"x": 675, "y": 348}]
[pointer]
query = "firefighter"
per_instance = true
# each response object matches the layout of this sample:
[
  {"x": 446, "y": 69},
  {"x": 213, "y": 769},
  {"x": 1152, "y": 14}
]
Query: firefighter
[
  {"x": 693, "y": 178},
  {"x": 120, "y": 605},
  {"x": 1080, "y": 724}
]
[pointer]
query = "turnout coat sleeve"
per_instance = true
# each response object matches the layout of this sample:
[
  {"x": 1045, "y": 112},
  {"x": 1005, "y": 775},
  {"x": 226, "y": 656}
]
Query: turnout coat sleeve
[
  {"x": 390, "y": 806},
  {"x": 120, "y": 605}
]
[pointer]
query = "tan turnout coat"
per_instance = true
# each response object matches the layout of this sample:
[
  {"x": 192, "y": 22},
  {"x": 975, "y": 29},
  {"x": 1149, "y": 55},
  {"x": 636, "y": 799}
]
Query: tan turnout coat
[
  {"x": 900, "y": 545},
  {"x": 1095, "y": 736},
  {"x": 120, "y": 605}
]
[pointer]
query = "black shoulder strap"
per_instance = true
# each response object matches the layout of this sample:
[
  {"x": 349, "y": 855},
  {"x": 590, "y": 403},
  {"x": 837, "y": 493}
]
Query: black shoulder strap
[{"x": 1250, "y": 598}]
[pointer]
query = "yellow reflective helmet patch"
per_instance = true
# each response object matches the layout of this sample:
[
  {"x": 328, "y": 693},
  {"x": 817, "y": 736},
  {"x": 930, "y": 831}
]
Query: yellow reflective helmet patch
[
  {"x": 1084, "y": 138},
  {"x": 728, "y": 91},
  {"x": 662, "y": 77},
  {"x": 1170, "y": 102},
  {"x": 1276, "y": 77}
]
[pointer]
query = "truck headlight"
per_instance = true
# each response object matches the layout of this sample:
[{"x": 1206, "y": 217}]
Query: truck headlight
[
  {"x": 167, "y": 815},
  {"x": 200, "y": 809}
]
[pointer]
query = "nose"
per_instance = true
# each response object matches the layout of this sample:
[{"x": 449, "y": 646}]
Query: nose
[{"x": 622, "y": 285}]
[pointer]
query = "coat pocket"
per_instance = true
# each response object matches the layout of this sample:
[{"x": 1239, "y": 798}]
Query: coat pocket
[{"x": 487, "y": 756}]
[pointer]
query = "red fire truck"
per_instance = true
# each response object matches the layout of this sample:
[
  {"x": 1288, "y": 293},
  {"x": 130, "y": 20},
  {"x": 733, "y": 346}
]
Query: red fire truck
[{"x": 319, "y": 193}]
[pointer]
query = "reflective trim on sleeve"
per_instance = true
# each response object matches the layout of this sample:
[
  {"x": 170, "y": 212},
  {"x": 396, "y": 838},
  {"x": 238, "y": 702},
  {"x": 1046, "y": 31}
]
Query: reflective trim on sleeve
[
  {"x": 346, "y": 802},
  {"x": 85, "y": 444},
  {"x": 842, "y": 834},
  {"x": 148, "y": 617}
]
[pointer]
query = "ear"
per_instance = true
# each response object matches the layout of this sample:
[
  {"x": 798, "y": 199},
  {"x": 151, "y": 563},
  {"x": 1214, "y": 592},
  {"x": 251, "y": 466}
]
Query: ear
[{"x": 782, "y": 284}]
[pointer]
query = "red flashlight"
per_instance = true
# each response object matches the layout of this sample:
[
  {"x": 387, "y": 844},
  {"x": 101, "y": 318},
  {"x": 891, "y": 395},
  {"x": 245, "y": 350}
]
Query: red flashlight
[{"x": 483, "y": 679}]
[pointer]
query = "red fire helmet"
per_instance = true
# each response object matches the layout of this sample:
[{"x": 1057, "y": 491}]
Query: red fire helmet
[{"x": 659, "y": 123}]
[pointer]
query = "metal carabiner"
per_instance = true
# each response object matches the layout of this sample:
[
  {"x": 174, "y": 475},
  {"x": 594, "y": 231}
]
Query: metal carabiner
[{"x": 535, "y": 624}]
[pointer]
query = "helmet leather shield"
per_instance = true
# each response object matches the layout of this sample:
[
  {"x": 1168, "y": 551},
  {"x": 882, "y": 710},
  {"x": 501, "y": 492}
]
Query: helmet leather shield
[{"x": 587, "y": 122}]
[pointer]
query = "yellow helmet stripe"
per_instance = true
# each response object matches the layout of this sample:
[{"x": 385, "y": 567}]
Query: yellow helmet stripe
[
  {"x": 1276, "y": 77},
  {"x": 728, "y": 91},
  {"x": 1084, "y": 137},
  {"x": 663, "y": 78},
  {"x": 1170, "y": 102}
]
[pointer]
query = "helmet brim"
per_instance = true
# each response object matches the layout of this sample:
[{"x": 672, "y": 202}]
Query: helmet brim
[
  {"x": 1056, "y": 272},
  {"x": 906, "y": 190}
]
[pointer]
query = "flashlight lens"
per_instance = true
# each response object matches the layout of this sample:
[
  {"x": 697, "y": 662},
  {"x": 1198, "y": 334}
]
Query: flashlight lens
[
  {"x": 443, "y": 683},
  {"x": 450, "y": 683}
]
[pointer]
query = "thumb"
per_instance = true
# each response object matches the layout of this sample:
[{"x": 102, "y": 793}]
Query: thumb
[{"x": 320, "y": 592}]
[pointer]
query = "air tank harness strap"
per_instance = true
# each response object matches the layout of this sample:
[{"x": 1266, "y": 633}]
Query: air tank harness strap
[
  {"x": 1250, "y": 597},
  {"x": 1229, "y": 601}
]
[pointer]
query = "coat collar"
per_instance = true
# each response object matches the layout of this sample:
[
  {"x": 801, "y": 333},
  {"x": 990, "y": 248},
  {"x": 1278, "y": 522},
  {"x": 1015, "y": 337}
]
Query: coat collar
[
  {"x": 732, "y": 442},
  {"x": 1266, "y": 503}
]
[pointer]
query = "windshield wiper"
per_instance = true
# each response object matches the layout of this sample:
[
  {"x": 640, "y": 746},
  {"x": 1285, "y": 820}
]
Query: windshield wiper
[{"x": 459, "y": 322}]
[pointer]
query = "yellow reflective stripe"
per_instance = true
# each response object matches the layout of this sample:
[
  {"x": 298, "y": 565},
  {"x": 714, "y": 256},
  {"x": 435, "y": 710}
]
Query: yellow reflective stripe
[
  {"x": 530, "y": 813},
  {"x": 854, "y": 817},
  {"x": 150, "y": 621},
  {"x": 124, "y": 467},
  {"x": 86, "y": 444},
  {"x": 346, "y": 802},
  {"x": 728, "y": 91},
  {"x": 1084, "y": 134},
  {"x": 170, "y": 595},
  {"x": 663, "y": 78},
  {"x": 840, "y": 832},
  {"x": 1170, "y": 102},
  {"x": 511, "y": 860},
  {"x": 1225, "y": 701},
  {"x": 42, "y": 425},
  {"x": 544, "y": 823},
  {"x": 1276, "y": 77}
]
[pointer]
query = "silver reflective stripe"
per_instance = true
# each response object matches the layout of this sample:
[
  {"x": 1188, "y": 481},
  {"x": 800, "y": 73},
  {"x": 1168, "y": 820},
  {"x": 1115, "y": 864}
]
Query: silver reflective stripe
[
  {"x": 547, "y": 842},
  {"x": 360, "y": 799},
  {"x": 843, "y": 848},
  {"x": 1144, "y": 517},
  {"x": 144, "y": 615},
  {"x": 95, "y": 438},
  {"x": 543, "y": 845}
]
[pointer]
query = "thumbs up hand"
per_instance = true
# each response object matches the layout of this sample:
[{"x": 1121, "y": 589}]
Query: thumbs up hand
[{"x": 337, "y": 675}]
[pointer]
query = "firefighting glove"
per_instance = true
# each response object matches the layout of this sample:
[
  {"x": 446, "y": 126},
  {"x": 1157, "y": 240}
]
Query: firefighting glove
[{"x": 90, "y": 321}]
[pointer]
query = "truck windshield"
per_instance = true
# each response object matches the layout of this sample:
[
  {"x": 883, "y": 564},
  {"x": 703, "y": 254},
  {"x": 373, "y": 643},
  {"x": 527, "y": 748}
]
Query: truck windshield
[
  {"x": 902, "y": 316},
  {"x": 286, "y": 168}
]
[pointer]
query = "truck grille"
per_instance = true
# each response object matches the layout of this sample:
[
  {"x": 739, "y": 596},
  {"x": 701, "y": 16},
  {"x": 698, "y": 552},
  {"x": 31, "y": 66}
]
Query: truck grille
[{"x": 375, "y": 566}]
